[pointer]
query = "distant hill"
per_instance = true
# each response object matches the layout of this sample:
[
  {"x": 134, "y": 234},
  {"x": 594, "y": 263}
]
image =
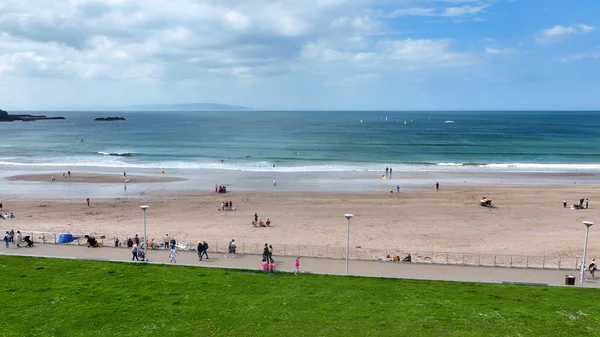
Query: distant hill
[{"x": 184, "y": 107}]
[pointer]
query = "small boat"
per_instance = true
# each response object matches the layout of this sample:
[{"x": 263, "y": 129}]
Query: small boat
[{"x": 449, "y": 122}]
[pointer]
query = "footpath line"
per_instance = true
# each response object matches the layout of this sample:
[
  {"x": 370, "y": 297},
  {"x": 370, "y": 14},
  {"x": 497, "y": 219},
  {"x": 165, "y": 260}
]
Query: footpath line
[{"x": 316, "y": 265}]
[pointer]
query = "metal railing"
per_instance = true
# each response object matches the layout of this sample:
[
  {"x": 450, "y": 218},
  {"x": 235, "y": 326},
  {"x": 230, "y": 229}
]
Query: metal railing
[{"x": 330, "y": 252}]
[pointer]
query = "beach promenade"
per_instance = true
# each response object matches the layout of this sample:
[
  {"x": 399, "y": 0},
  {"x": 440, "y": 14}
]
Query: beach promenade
[{"x": 317, "y": 265}]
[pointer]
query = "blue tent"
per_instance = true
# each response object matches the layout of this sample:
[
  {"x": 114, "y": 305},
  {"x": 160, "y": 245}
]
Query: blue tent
[{"x": 65, "y": 238}]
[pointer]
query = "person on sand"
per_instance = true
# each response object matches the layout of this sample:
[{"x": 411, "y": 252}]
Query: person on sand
[
  {"x": 261, "y": 223},
  {"x": 437, "y": 186},
  {"x": 587, "y": 203},
  {"x": 268, "y": 223},
  {"x": 166, "y": 240},
  {"x": 136, "y": 239},
  {"x": 88, "y": 202},
  {"x": 564, "y": 204},
  {"x": 297, "y": 266},
  {"x": 0, "y": 206},
  {"x": 173, "y": 255},
  {"x": 230, "y": 205},
  {"x": 7, "y": 239},
  {"x": 256, "y": 217}
]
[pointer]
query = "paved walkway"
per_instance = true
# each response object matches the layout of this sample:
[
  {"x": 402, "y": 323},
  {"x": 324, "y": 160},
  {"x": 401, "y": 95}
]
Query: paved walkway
[{"x": 318, "y": 265}]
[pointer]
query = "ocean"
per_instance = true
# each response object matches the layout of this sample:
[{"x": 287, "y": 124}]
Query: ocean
[{"x": 331, "y": 141}]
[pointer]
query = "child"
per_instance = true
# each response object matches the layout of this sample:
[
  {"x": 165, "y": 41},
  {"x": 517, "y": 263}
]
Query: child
[
  {"x": 265, "y": 264},
  {"x": 297, "y": 266},
  {"x": 173, "y": 254},
  {"x": 271, "y": 267}
]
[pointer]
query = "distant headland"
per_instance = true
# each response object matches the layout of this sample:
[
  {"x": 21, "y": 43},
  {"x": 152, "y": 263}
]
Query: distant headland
[
  {"x": 110, "y": 119},
  {"x": 5, "y": 117},
  {"x": 184, "y": 107}
]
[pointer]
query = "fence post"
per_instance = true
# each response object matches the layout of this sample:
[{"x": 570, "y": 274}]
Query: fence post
[
  {"x": 44, "y": 238},
  {"x": 284, "y": 250},
  {"x": 576, "y": 263},
  {"x": 55, "y": 238},
  {"x": 495, "y": 260},
  {"x": 511, "y": 261},
  {"x": 527, "y": 263},
  {"x": 559, "y": 260},
  {"x": 447, "y": 257},
  {"x": 463, "y": 260},
  {"x": 478, "y": 259},
  {"x": 544, "y": 262},
  {"x": 217, "y": 247},
  {"x": 326, "y": 252}
]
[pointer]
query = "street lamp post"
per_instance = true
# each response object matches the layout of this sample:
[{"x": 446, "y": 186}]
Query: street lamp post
[
  {"x": 587, "y": 224},
  {"x": 144, "y": 208},
  {"x": 348, "y": 217}
]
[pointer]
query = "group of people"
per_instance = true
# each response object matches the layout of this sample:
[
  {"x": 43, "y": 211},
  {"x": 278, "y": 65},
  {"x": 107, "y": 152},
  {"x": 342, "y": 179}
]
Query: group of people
[
  {"x": 202, "y": 249},
  {"x": 227, "y": 206},
  {"x": 580, "y": 205},
  {"x": 7, "y": 216},
  {"x": 16, "y": 238},
  {"x": 220, "y": 189},
  {"x": 231, "y": 248},
  {"x": 259, "y": 222}
]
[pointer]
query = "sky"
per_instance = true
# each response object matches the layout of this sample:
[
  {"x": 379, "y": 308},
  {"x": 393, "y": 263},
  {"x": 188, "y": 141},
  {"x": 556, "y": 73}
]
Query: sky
[{"x": 302, "y": 54}]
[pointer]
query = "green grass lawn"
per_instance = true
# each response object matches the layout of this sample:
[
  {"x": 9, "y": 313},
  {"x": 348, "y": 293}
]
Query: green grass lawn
[{"x": 55, "y": 297}]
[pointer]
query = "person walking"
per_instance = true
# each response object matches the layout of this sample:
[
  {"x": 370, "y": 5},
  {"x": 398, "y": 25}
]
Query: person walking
[
  {"x": 7, "y": 239},
  {"x": 270, "y": 253},
  {"x": 297, "y": 266},
  {"x": 199, "y": 249},
  {"x": 587, "y": 203},
  {"x": 231, "y": 248},
  {"x": 69, "y": 173},
  {"x": 18, "y": 239},
  {"x": 173, "y": 255},
  {"x": 88, "y": 202},
  {"x": 124, "y": 174},
  {"x": 134, "y": 252},
  {"x": 204, "y": 250},
  {"x": 266, "y": 252},
  {"x": 0, "y": 206},
  {"x": 12, "y": 235},
  {"x": 437, "y": 186}
]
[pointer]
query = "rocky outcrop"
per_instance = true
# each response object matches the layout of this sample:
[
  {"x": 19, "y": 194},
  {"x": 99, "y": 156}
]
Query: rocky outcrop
[
  {"x": 110, "y": 119},
  {"x": 5, "y": 117}
]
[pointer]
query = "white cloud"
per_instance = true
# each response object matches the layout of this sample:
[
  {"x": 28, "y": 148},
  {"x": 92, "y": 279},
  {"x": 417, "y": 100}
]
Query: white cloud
[
  {"x": 498, "y": 51},
  {"x": 595, "y": 55},
  {"x": 442, "y": 11},
  {"x": 559, "y": 33}
]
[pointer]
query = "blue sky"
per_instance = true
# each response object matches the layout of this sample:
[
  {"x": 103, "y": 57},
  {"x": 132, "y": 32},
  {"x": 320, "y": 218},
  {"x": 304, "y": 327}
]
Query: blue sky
[{"x": 310, "y": 54}]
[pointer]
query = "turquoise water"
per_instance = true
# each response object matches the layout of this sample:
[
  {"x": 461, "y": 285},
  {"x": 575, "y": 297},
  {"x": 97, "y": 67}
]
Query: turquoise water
[{"x": 309, "y": 141}]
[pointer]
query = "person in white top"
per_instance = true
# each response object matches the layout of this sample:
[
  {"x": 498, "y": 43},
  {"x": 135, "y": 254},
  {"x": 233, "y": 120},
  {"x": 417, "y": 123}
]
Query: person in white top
[{"x": 134, "y": 252}]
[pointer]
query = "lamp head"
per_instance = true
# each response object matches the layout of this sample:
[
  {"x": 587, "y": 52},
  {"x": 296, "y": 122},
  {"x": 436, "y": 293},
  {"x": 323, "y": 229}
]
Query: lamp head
[
  {"x": 144, "y": 207},
  {"x": 588, "y": 224},
  {"x": 348, "y": 215}
]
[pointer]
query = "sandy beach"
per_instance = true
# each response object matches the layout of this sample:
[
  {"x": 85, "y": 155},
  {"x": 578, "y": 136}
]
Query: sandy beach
[{"x": 526, "y": 219}]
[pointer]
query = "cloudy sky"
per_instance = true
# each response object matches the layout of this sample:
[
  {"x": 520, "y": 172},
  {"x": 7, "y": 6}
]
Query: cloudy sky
[{"x": 301, "y": 54}]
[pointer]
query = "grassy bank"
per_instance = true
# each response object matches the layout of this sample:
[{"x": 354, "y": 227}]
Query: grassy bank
[{"x": 83, "y": 298}]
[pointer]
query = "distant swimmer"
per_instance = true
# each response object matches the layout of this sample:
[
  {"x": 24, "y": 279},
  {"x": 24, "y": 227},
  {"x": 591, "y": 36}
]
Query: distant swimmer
[
  {"x": 221, "y": 161},
  {"x": 124, "y": 174},
  {"x": 273, "y": 165},
  {"x": 52, "y": 178},
  {"x": 247, "y": 156},
  {"x": 274, "y": 183},
  {"x": 82, "y": 140}
]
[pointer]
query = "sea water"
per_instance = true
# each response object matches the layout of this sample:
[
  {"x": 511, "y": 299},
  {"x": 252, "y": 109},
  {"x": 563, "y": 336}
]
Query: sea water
[{"x": 288, "y": 141}]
